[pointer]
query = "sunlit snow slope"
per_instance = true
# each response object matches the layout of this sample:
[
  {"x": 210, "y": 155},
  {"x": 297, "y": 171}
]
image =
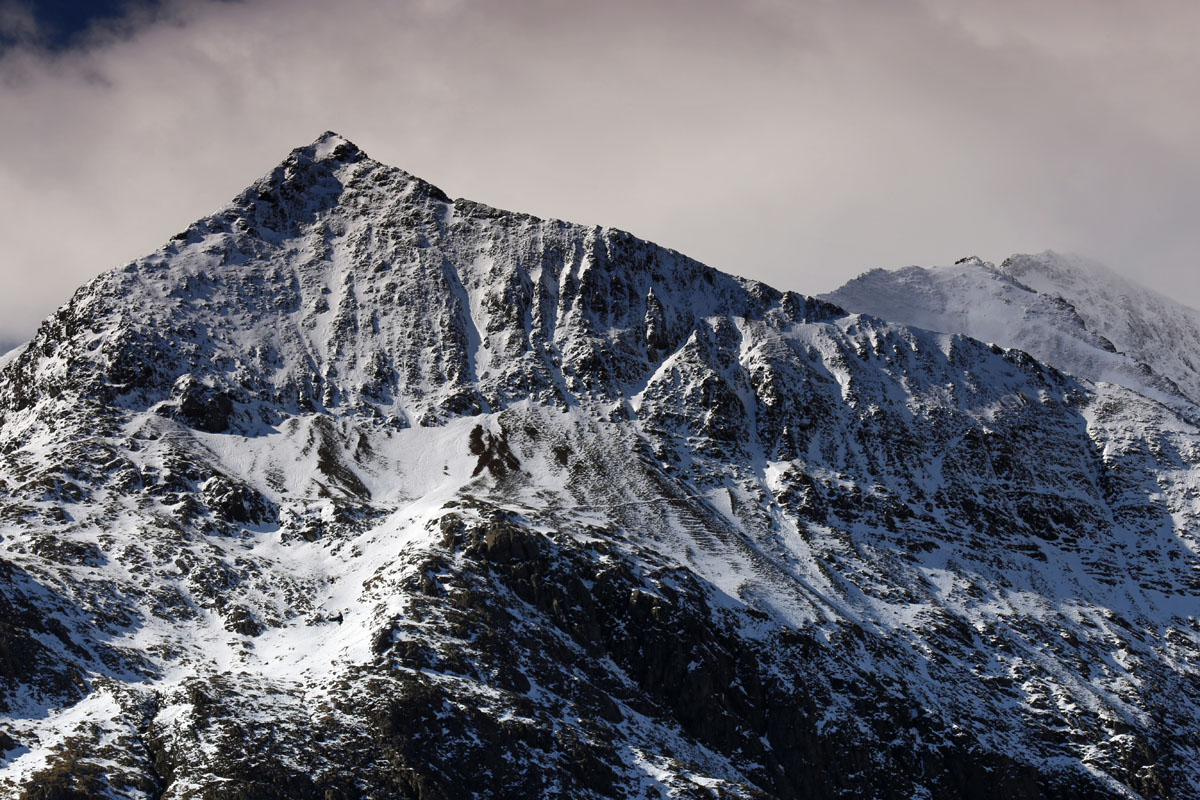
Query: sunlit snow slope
[{"x": 354, "y": 490}]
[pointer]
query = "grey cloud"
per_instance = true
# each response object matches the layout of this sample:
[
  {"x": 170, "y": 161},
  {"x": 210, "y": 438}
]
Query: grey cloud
[
  {"x": 17, "y": 23},
  {"x": 796, "y": 142}
]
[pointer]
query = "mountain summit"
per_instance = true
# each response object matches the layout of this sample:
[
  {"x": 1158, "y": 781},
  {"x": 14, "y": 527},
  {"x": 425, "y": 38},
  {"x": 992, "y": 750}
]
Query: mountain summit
[{"x": 352, "y": 490}]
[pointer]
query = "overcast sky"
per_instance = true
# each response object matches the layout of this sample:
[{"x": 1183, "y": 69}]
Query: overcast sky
[{"x": 796, "y": 142}]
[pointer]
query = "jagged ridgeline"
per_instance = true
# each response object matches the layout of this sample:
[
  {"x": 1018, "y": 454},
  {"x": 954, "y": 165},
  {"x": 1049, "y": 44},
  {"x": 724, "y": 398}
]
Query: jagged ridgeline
[{"x": 355, "y": 491}]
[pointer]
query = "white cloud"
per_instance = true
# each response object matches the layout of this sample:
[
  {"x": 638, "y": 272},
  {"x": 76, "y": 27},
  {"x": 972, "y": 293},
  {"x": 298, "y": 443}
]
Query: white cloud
[{"x": 797, "y": 142}]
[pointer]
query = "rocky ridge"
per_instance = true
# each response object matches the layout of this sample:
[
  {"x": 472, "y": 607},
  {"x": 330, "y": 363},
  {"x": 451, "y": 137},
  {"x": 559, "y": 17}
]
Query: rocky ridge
[{"x": 354, "y": 490}]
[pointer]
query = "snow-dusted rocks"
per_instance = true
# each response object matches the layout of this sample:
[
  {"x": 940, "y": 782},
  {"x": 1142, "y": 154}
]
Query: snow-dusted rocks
[{"x": 353, "y": 490}]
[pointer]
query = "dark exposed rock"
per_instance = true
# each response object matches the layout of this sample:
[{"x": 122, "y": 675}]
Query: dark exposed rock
[
  {"x": 201, "y": 407},
  {"x": 493, "y": 451},
  {"x": 237, "y": 502},
  {"x": 29, "y": 657}
]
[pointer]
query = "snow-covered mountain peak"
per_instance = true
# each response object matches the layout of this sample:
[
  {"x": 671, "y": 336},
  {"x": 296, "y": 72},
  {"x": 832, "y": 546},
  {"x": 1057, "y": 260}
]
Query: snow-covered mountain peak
[
  {"x": 340, "y": 282},
  {"x": 351, "y": 490},
  {"x": 331, "y": 145}
]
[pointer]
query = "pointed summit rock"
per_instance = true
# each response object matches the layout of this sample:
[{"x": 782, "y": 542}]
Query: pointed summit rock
[{"x": 333, "y": 146}]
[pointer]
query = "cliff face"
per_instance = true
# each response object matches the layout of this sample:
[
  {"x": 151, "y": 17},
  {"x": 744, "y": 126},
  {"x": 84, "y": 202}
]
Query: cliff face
[{"x": 352, "y": 490}]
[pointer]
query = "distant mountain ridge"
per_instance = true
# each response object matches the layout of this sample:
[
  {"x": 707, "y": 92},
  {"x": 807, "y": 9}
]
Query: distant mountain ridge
[
  {"x": 1065, "y": 310},
  {"x": 352, "y": 490}
]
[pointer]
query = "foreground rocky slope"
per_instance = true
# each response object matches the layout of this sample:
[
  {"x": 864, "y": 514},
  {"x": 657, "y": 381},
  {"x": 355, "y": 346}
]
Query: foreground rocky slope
[{"x": 352, "y": 490}]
